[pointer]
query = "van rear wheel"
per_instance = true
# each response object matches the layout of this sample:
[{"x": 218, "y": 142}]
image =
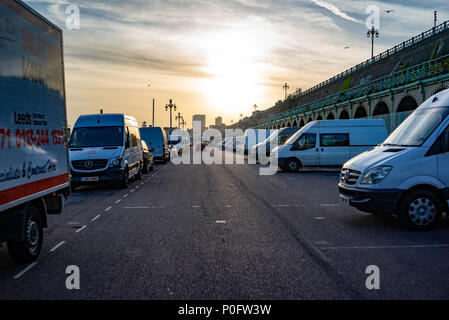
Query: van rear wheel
[
  {"x": 292, "y": 165},
  {"x": 28, "y": 250},
  {"x": 420, "y": 210},
  {"x": 125, "y": 180}
]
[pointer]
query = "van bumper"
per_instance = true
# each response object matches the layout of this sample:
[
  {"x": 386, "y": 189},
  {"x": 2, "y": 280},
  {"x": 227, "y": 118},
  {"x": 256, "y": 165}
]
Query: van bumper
[
  {"x": 372, "y": 201},
  {"x": 108, "y": 175}
]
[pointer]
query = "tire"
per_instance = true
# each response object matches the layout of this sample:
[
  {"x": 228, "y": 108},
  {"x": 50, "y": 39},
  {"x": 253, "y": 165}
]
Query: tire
[
  {"x": 145, "y": 168},
  {"x": 125, "y": 180},
  {"x": 138, "y": 175},
  {"x": 28, "y": 250},
  {"x": 420, "y": 210},
  {"x": 292, "y": 165}
]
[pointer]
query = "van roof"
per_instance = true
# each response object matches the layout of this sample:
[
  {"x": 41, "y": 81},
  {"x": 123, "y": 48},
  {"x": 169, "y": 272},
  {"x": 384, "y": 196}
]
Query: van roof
[
  {"x": 350, "y": 123},
  {"x": 440, "y": 99},
  {"x": 104, "y": 119}
]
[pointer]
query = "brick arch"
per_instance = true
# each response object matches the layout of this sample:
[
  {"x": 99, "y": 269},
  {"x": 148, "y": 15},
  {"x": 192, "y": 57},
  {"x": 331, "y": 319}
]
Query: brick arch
[
  {"x": 380, "y": 109},
  {"x": 330, "y": 116},
  {"x": 407, "y": 103},
  {"x": 360, "y": 112},
  {"x": 319, "y": 117},
  {"x": 302, "y": 123},
  {"x": 344, "y": 114},
  {"x": 295, "y": 124}
]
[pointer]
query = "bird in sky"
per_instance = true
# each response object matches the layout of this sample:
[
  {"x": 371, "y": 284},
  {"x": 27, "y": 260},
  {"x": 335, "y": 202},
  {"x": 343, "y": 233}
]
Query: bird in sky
[
  {"x": 347, "y": 47},
  {"x": 389, "y": 11}
]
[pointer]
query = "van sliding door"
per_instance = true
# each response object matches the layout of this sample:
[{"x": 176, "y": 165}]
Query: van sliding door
[{"x": 334, "y": 148}]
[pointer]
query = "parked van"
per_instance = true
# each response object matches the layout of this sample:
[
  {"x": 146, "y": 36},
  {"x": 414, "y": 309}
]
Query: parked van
[
  {"x": 408, "y": 175},
  {"x": 255, "y": 136},
  {"x": 156, "y": 139},
  {"x": 329, "y": 143},
  {"x": 105, "y": 148},
  {"x": 277, "y": 138}
]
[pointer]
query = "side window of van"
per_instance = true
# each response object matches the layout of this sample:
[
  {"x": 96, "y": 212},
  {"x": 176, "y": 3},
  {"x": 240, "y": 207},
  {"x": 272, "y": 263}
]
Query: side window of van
[
  {"x": 133, "y": 136},
  {"x": 127, "y": 139},
  {"x": 444, "y": 141},
  {"x": 334, "y": 140},
  {"x": 307, "y": 141}
]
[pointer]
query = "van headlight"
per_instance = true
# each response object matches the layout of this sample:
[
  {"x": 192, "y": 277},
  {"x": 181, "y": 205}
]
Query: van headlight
[
  {"x": 376, "y": 175},
  {"x": 115, "y": 162}
]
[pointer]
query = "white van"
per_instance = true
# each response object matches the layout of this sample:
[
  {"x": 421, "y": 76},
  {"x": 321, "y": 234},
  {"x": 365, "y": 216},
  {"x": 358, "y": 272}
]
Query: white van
[
  {"x": 105, "y": 148},
  {"x": 156, "y": 139},
  {"x": 255, "y": 136},
  {"x": 408, "y": 175},
  {"x": 329, "y": 143}
]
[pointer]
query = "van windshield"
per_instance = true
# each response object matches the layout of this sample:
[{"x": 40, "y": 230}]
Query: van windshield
[
  {"x": 415, "y": 130},
  {"x": 96, "y": 137}
]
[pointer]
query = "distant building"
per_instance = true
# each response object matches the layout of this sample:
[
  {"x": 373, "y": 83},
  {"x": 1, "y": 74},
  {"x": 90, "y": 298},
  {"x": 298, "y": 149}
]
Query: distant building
[
  {"x": 218, "y": 121},
  {"x": 201, "y": 118}
]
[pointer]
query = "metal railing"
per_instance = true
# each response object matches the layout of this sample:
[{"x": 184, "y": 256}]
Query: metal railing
[
  {"x": 423, "y": 36},
  {"x": 399, "y": 78}
]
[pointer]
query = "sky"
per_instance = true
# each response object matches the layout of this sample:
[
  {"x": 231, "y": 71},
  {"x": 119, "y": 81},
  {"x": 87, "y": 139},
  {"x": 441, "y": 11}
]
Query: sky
[{"x": 217, "y": 57}]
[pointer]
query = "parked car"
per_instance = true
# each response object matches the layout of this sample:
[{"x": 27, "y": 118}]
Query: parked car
[
  {"x": 407, "y": 175},
  {"x": 329, "y": 143},
  {"x": 277, "y": 138},
  {"x": 105, "y": 148},
  {"x": 156, "y": 139},
  {"x": 148, "y": 162}
]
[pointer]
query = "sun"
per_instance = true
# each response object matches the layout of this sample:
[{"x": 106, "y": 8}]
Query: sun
[{"x": 235, "y": 62}]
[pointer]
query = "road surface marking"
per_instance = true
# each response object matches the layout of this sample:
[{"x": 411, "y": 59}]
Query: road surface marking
[
  {"x": 98, "y": 216},
  {"x": 108, "y": 208},
  {"x": 389, "y": 247},
  {"x": 137, "y": 207},
  {"x": 57, "y": 246},
  {"x": 329, "y": 205},
  {"x": 319, "y": 218},
  {"x": 70, "y": 223},
  {"x": 196, "y": 207},
  {"x": 220, "y": 221},
  {"x": 17, "y": 276},
  {"x": 118, "y": 201},
  {"x": 137, "y": 187},
  {"x": 125, "y": 195},
  {"x": 132, "y": 190},
  {"x": 141, "y": 183},
  {"x": 228, "y": 206},
  {"x": 81, "y": 229},
  {"x": 322, "y": 243}
]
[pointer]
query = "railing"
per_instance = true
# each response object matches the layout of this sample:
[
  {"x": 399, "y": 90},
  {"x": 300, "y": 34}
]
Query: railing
[
  {"x": 399, "y": 78},
  {"x": 423, "y": 36}
]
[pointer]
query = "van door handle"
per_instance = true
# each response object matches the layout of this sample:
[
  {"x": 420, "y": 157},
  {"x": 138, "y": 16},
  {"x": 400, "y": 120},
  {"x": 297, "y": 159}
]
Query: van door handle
[{"x": 322, "y": 149}]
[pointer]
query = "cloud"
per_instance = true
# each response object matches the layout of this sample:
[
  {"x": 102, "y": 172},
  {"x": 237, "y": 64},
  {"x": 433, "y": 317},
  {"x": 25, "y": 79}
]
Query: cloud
[{"x": 335, "y": 10}]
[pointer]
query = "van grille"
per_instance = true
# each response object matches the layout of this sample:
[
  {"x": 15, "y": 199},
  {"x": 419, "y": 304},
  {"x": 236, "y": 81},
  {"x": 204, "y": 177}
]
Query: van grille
[
  {"x": 350, "y": 177},
  {"x": 89, "y": 164}
]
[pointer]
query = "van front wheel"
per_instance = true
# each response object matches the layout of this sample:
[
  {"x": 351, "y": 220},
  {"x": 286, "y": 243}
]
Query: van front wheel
[
  {"x": 420, "y": 210},
  {"x": 292, "y": 165}
]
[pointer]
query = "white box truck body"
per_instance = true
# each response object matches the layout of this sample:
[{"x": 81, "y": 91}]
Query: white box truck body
[{"x": 34, "y": 176}]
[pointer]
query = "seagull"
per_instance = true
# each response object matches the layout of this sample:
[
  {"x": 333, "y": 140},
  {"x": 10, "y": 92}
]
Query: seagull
[
  {"x": 389, "y": 11},
  {"x": 347, "y": 47}
]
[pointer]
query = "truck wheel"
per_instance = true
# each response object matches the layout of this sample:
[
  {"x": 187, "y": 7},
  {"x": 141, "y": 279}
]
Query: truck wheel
[
  {"x": 125, "y": 180},
  {"x": 28, "y": 250},
  {"x": 420, "y": 210},
  {"x": 292, "y": 165}
]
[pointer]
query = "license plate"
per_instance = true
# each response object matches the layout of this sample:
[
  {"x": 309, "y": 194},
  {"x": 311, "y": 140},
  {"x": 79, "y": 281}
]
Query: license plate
[
  {"x": 89, "y": 179},
  {"x": 345, "y": 201}
]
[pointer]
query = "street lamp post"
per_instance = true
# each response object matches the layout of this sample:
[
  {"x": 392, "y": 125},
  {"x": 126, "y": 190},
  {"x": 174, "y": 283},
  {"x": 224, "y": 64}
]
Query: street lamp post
[
  {"x": 371, "y": 33},
  {"x": 179, "y": 117},
  {"x": 171, "y": 106},
  {"x": 149, "y": 85}
]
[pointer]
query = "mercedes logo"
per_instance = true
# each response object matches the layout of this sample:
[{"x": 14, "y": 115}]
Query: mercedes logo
[
  {"x": 346, "y": 176},
  {"x": 88, "y": 164}
]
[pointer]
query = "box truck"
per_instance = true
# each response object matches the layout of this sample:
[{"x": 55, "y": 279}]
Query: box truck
[{"x": 34, "y": 177}]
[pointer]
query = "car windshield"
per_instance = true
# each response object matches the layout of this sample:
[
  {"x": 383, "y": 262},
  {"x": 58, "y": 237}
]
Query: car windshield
[
  {"x": 415, "y": 130},
  {"x": 96, "y": 137}
]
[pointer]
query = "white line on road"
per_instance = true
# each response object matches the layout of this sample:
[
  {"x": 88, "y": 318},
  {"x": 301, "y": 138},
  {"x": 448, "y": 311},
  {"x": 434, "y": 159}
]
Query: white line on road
[
  {"x": 220, "y": 221},
  {"x": 389, "y": 247},
  {"x": 81, "y": 229},
  {"x": 330, "y": 205},
  {"x": 137, "y": 207},
  {"x": 17, "y": 276},
  {"x": 227, "y": 206},
  {"x": 132, "y": 190},
  {"x": 95, "y": 218},
  {"x": 319, "y": 218},
  {"x": 108, "y": 208},
  {"x": 118, "y": 201},
  {"x": 137, "y": 187},
  {"x": 57, "y": 246},
  {"x": 125, "y": 195}
]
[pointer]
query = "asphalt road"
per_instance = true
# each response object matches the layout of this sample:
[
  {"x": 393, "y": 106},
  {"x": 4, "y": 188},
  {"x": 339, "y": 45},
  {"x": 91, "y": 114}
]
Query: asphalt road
[{"x": 225, "y": 232}]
